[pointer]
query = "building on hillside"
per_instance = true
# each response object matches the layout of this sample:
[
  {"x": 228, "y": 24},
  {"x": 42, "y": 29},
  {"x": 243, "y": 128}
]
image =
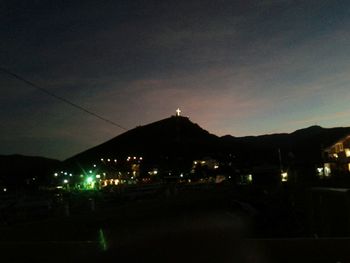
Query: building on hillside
[{"x": 336, "y": 158}]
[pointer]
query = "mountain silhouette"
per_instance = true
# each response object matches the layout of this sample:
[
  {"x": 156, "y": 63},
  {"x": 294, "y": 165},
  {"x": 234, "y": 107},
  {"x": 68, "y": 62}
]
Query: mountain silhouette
[
  {"x": 172, "y": 137},
  {"x": 177, "y": 137}
]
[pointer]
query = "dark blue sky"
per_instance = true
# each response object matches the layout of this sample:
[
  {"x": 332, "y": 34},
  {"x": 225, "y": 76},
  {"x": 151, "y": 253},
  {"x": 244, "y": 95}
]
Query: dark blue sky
[{"x": 234, "y": 67}]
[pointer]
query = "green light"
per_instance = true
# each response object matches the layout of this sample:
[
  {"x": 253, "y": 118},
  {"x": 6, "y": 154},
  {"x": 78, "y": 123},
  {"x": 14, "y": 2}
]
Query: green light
[
  {"x": 102, "y": 240},
  {"x": 89, "y": 180},
  {"x": 90, "y": 171}
]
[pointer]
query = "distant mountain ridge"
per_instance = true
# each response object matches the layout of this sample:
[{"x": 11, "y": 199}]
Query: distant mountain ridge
[{"x": 178, "y": 136}]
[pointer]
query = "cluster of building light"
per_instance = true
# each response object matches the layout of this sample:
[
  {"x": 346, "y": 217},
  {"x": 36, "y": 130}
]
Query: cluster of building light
[
  {"x": 153, "y": 172},
  {"x": 324, "y": 171},
  {"x": 135, "y": 158},
  {"x": 108, "y": 160}
]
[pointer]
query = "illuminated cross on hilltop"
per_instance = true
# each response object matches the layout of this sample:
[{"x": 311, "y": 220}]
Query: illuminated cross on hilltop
[{"x": 178, "y": 111}]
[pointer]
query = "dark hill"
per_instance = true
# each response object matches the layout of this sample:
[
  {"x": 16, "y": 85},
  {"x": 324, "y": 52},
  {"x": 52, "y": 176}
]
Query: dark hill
[
  {"x": 18, "y": 169},
  {"x": 168, "y": 138},
  {"x": 302, "y": 146}
]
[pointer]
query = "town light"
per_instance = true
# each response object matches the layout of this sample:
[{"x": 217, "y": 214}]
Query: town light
[
  {"x": 65, "y": 181},
  {"x": 250, "y": 178},
  {"x": 284, "y": 177},
  {"x": 55, "y": 174}
]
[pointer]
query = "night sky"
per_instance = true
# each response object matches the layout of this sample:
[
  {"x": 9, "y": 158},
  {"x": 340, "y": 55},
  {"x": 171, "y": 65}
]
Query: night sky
[{"x": 244, "y": 67}]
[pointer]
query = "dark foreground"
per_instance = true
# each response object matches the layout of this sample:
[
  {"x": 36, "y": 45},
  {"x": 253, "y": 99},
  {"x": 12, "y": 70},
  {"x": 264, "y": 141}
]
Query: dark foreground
[{"x": 193, "y": 226}]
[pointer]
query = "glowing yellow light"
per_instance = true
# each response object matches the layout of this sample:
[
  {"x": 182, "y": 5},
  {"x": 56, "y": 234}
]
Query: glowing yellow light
[
  {"x": 115, "y": 160},
  {"x": 320, "y": 171},
  {"x": 141, "y": 158},
  {"x": 327, "y": 169},
  {"x": 94, "y": 165},
  {"x": 98, "y": 176},
  {"x": 216, "y": 166},
  {"x": 70, "y": 175},
  {"x": 335, "y": 155},
  {"x": 55, "y": 174},
  {"x": 284, "y": 177},
  {"x": 108, "y": 160},
  {"x": 250, "y": 178},
  {"x": 65, "y": 181},
  {"x": 349, "y": 167},
  {"x": 101, "y": 159},
  {"x": 195, "y": 162},
  {"x": 347, "y": 152},
  {"x": 5, "y": 190},
  {"x": 178, "y": 112}
]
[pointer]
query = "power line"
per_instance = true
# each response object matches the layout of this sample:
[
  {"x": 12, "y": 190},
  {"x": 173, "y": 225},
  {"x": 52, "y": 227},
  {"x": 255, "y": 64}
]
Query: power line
[{"x": 61, "y": 98}]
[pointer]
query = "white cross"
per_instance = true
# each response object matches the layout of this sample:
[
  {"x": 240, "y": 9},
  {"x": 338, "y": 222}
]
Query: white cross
[{"x": 178, "y": 111}]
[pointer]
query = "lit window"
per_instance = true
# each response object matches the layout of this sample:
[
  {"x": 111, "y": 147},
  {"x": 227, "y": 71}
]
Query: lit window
[
  {"x": 347, "y": 152},
  {"x": 339, "y": 147},
  {"x": 327, "y": 169}
]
